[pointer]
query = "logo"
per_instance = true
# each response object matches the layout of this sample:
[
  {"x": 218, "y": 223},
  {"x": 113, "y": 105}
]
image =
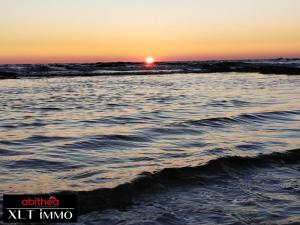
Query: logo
[{"x": 56, "y": 208}]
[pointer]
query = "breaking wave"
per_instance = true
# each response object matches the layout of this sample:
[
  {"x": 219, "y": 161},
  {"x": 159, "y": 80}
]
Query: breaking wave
[{"x": 123, "y": 195}]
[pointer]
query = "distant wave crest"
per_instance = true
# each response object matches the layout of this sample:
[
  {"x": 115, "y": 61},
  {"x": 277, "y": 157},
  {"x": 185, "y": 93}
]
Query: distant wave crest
[{"x": 278, "y": 66}]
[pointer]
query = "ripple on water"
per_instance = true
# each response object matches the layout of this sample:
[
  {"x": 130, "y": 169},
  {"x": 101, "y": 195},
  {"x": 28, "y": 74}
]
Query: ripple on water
[
  {"x": 132, "y": 124},
  {"x": 51, "y": 165}
]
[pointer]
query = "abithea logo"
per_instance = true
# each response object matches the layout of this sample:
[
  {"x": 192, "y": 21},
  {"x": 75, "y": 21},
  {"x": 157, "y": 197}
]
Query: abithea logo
[{"x": 40, "y": 208}]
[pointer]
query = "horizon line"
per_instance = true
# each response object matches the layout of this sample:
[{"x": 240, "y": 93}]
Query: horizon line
[{"x": 160, "y": 61}]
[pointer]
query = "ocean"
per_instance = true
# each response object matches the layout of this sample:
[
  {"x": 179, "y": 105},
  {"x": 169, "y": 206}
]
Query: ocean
[{"x": 177, "y": 147}]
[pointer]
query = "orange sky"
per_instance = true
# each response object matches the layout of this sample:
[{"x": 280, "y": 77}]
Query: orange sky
[{"x": 34, "y": 31}]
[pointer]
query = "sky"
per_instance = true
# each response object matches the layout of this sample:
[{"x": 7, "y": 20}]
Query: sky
[{"x": 45, "y": 31}]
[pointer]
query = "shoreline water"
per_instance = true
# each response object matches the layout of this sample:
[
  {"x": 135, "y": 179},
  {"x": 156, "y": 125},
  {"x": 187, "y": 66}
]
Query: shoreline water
[
  {"x": 111, "y": 204},
  {"x": 253, "y": 195},
  {"x": 175, "y": 145},
  {"x": 124, "y": 195}
]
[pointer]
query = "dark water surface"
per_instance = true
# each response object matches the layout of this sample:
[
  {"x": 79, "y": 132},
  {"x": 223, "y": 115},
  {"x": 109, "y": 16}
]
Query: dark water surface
[
  {"x": 268, "y": 195},
  {"x": 85, "y": 133}
]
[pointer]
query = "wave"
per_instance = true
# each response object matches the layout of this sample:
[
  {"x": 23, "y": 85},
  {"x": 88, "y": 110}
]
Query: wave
[
  {"x": 147, "y": 183},
  {"x": 245, "y": 118},
  {"x": 280, "y": 66},
  {"x": 108, "y": 141},
  {"x": 46, "y": 164}
]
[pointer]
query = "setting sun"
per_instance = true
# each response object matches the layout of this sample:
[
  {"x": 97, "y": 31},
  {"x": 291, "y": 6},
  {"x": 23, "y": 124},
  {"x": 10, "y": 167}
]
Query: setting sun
[{"x": 149, "y": 60}]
